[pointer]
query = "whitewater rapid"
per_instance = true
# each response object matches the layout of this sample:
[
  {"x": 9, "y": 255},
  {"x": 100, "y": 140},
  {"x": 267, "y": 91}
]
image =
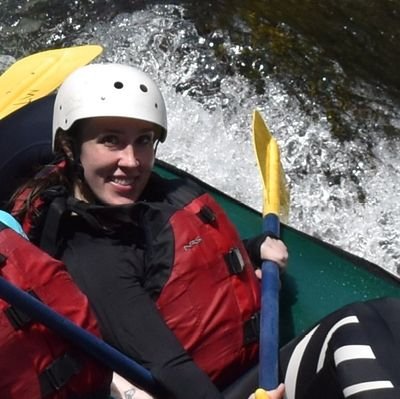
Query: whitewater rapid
[{"x": 209, "y": 135}]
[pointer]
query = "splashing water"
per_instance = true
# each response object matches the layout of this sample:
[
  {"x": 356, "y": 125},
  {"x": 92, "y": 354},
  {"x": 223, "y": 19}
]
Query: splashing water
[{"x": 342, "y": 192}]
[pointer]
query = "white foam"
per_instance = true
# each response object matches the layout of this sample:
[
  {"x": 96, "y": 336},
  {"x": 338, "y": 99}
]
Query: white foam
[{"x": 356, "y": 208}]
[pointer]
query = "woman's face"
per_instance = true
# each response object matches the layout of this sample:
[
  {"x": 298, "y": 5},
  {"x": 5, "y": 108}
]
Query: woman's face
[{"x": 117, "y": 156}]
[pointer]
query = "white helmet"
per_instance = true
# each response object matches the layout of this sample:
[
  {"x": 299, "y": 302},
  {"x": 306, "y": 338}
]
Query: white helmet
[{"x": 109, "y": 90}]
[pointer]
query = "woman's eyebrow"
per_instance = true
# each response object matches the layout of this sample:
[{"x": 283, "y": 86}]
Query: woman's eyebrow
[{"x": 112, "y": 130}]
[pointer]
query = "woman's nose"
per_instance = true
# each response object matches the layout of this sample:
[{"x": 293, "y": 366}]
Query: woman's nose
[{"x": 128, "y": 157}]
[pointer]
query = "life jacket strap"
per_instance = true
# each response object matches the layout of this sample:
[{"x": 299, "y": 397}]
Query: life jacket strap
[
  {"x": 49, "y": 237},
  {"x": 234, "y": 261},
  {"x": 207, "y": 215},
  {"x": 251, "y": 329},
  {"x": 17, "y": 318},
  {"x": 58, "y": 373}
]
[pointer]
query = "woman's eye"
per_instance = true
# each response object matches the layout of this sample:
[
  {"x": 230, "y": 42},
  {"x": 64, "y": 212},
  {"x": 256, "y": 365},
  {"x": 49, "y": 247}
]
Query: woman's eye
[
  {"x": 145, "y": 139},
  {"x": 109, "y": 140}
]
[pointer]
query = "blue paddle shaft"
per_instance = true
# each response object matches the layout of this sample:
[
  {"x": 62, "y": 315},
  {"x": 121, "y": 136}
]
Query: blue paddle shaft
[
  {"x": 272, "y": 224},
  {"x": 94, "y": 346},
  {"x": 269, "y": 325}
]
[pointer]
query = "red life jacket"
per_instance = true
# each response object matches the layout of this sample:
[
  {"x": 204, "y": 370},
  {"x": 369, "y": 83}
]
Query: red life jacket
[
  {"x": 35, "y": 362},
  {"x": 211, "y": 299}
]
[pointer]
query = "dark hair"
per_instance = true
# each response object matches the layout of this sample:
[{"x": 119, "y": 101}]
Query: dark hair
[{"x": 64, "y": 172}]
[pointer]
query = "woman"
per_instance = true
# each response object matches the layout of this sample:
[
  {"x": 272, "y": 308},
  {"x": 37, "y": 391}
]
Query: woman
[
  {"x": 128, "y": 236},
  {"x": 170, "y": 281}
]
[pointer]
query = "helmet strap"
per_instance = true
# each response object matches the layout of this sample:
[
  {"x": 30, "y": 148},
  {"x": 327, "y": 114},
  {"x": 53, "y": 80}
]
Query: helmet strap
[{"x": 156, "y": 143}]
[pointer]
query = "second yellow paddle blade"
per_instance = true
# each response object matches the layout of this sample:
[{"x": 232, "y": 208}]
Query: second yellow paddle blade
[{"x": 38, "y": 75}]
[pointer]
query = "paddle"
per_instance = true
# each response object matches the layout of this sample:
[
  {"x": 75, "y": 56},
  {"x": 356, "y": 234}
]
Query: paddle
[
  {"x": 275, "y": 202},
  {"x": 92, "y": 345},
  {"x": 88, "y": 342},
  {"x": 37, "y": 75}
]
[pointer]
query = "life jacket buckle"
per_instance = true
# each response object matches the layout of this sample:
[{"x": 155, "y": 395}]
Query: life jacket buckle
[
  {"x": 251, "y": 329},
  {"x": 58, "y": 373},
  {"x": 234, "y": 260},
  {"x": 207, "y": 215}
]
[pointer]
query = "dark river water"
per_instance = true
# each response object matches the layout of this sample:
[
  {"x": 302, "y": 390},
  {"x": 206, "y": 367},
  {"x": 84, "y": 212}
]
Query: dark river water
[{"x": 324, "y": 74}]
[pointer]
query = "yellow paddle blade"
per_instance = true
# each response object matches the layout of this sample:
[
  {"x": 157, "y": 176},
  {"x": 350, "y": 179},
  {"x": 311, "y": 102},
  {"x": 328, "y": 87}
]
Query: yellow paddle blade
[
  {"x": 261, "y": 394},
  {"x": 37, "y": 75},
  {"x": 275, "y": 193}
]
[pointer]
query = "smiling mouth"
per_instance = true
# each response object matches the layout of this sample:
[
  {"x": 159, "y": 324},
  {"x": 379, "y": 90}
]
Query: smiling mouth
[{"x": 123, "y": 181}]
